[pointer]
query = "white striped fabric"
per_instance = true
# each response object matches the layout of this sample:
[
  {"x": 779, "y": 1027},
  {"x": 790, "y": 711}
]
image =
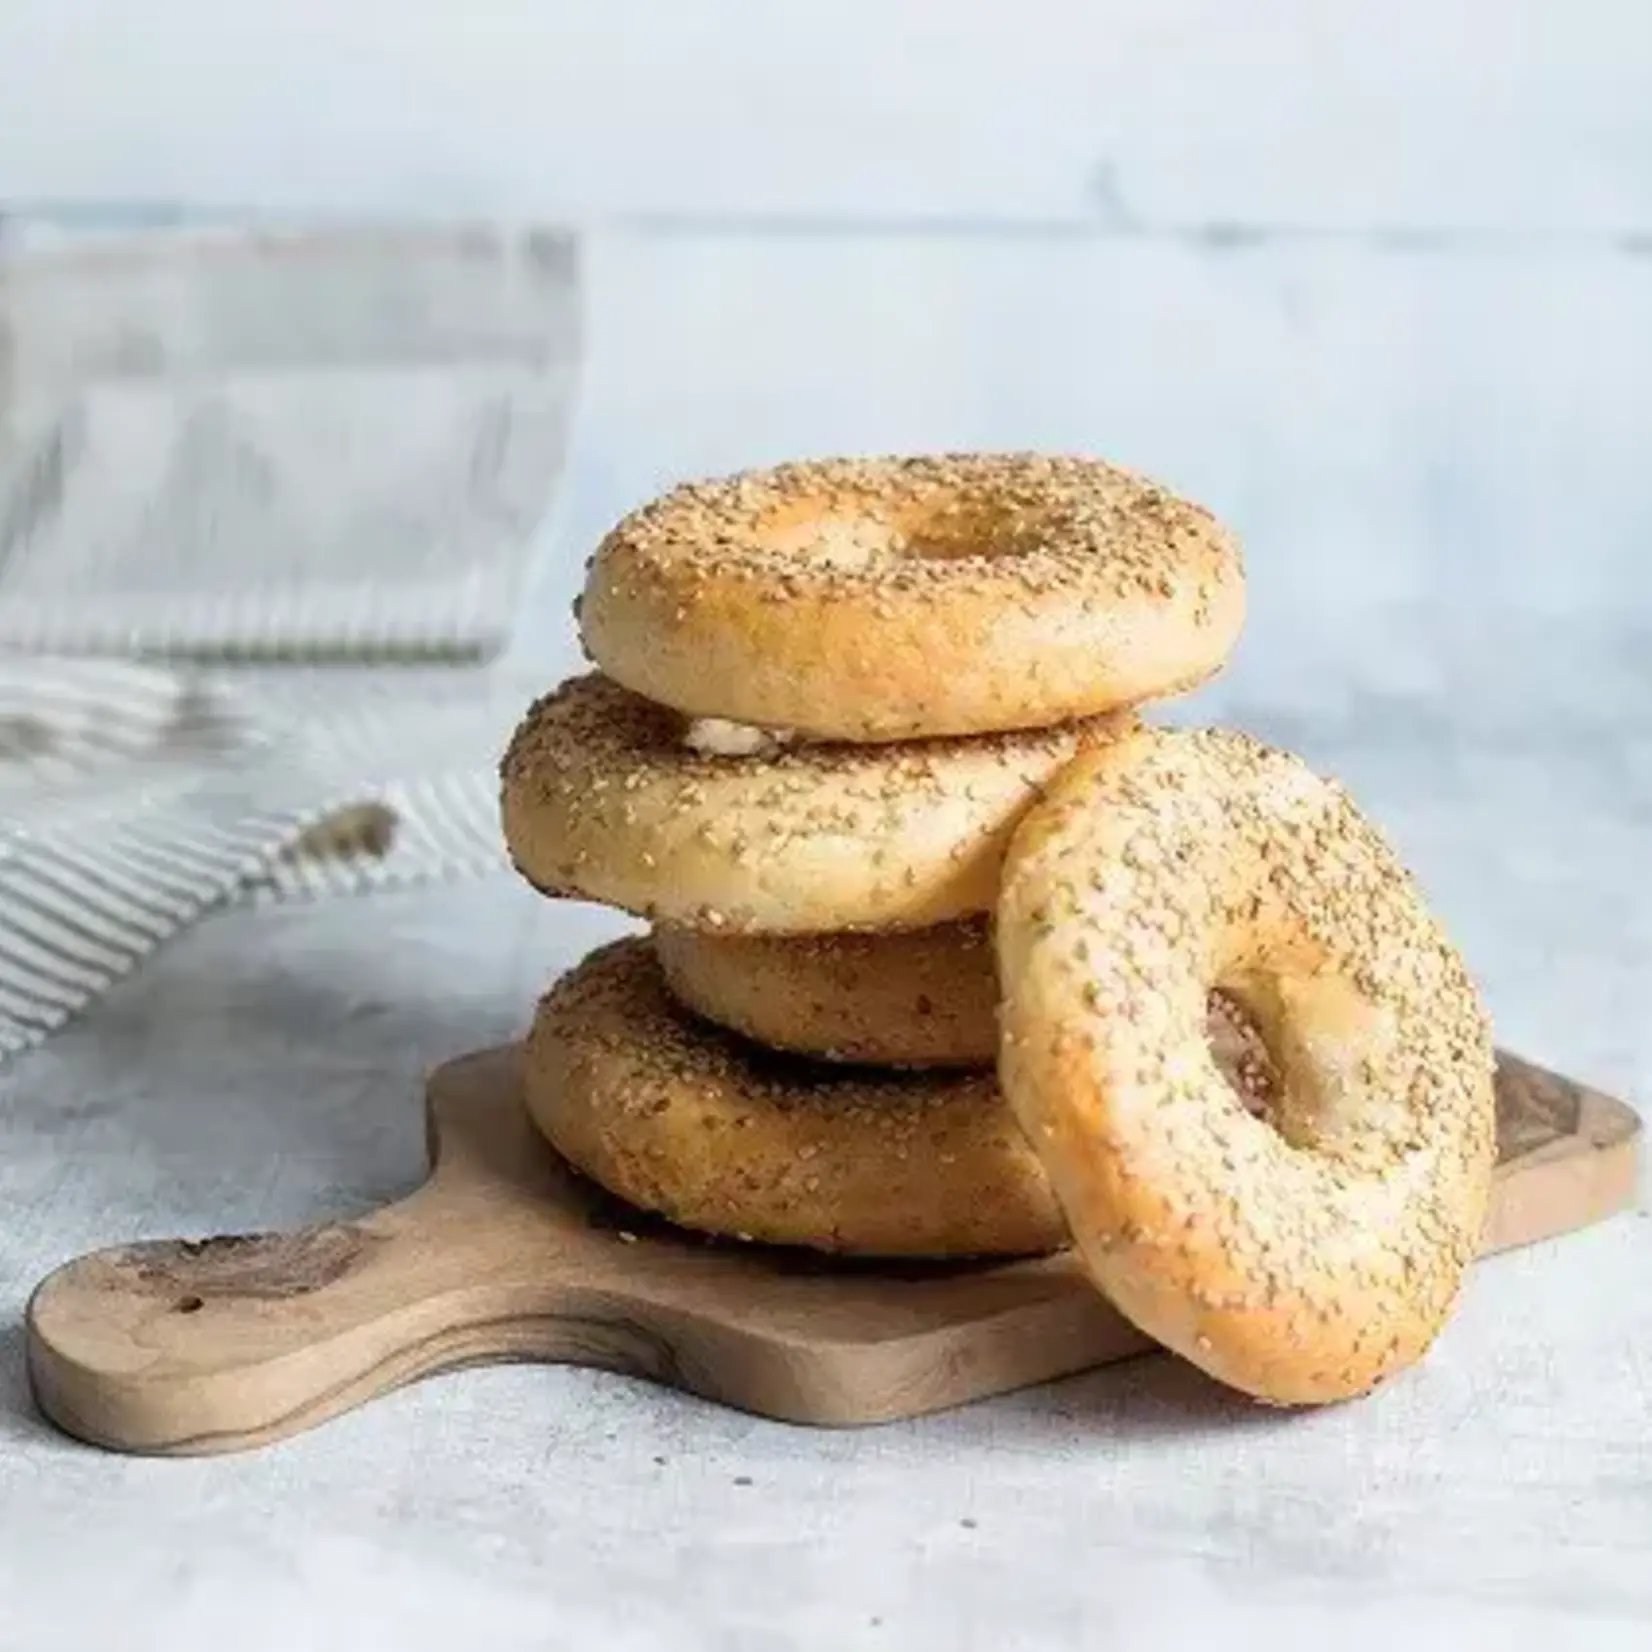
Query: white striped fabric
[
  {"x": 435, "y": 828},
  {"x": 133, "y": 800},
  {"x": 410, "y": 759},
  {"x": 130, "y": 802},
  {"x": 259, "y": 449},
  {"x": 279, "y": 444}
]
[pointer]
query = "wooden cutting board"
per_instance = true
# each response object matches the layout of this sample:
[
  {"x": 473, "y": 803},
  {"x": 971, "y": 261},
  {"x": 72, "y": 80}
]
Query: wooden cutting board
[{"x": 194, "y": 1346}]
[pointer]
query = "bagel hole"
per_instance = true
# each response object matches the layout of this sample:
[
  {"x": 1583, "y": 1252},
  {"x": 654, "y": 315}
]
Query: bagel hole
[
  {"x": 1240, "y": 1049},
  {"x": 862, "y": 533},
  {"x": 1318, "y": 1037},
  {"x": 1328, "y": 1040},
  {"x": 954, "y": 533},
  {"x": 841, "y": 539}
]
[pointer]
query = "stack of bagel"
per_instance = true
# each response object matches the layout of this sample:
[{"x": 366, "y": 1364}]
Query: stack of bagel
[{"x": 952, "y": 954}]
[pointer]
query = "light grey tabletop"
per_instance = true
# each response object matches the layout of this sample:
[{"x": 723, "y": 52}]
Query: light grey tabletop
[{"x": 1446, "y": 511}]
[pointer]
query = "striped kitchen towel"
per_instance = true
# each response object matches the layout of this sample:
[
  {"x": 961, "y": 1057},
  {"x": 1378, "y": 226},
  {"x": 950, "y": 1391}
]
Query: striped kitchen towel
[
  {"x": 134, "y": 799},
  {"x": 252, "y": 451},
  {"x": 409, "y": 767},
  {"x": 279, "y": 443},
  {"x": 131, "y": 801}
]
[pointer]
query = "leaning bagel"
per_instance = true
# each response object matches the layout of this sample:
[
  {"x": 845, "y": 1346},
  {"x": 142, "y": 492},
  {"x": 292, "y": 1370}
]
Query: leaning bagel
[
  {"x": 1304, "y": 1258},
  {"x": 604, "y": 800},
  {"x": 721, "y": 1136},
  {"x": 892, "y": 599}
]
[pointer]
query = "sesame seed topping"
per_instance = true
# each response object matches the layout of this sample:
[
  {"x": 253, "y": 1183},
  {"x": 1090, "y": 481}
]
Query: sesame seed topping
[
  {"x": 602, "y": 799},
  {"x": 847, "y": 597},
  {"x": 1337, "y": 1174},
  {"x": 842, "y": 1158}
]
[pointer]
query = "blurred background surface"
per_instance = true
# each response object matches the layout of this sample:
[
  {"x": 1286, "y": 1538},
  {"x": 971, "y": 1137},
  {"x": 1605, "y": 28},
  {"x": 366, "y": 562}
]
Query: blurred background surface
[
  {"x": 1523, "y": 119},
  {"x": 1374, "y": 280}
]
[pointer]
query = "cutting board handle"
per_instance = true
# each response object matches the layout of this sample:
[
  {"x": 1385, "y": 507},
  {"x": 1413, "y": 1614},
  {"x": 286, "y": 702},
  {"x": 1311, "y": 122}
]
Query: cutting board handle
[
  {"x": 161, "y": 1346},
  {"x": 189, "y": 1347}
]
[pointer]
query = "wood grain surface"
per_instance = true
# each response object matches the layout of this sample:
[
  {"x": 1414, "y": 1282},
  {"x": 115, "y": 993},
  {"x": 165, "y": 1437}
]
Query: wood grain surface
[{"x": 185, "y": 1347}]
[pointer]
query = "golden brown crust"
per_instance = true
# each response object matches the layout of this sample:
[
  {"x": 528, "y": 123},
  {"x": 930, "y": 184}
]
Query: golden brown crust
[
  {"x": 927, "y": 998},
  {"x": 719, "y": 1135},
  {"x": 1301, "y": 1259},
  {"x": 888, "y": 599},
  {"x": 603, "y": 801}
]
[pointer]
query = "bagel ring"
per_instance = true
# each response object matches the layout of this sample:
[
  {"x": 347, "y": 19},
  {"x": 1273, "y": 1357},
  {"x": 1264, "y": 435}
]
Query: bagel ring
[
  {"x": 1305, "y": 1257},
  {"x": 923, "y": 998},
  {"x": 721, "y": 1136},
  {"x": 603, "y": 800},
  {"x": 903, "y": 598},
  {"x": 926, "y": 998}
]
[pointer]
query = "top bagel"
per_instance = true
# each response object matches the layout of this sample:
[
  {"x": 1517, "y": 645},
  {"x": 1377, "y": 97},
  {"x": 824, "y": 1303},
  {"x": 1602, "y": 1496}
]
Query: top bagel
[{"x": 887, "y": 599}]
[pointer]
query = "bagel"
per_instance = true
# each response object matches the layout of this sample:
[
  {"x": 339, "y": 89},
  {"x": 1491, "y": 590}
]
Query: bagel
[
  {"x": 724, "y": 1137},
  {"x": 1305, "y": 1257},
  {"x": 927, "y": 998},
  {"x": 603, "y": 800},
  {"x": 902, "y": 598}
]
